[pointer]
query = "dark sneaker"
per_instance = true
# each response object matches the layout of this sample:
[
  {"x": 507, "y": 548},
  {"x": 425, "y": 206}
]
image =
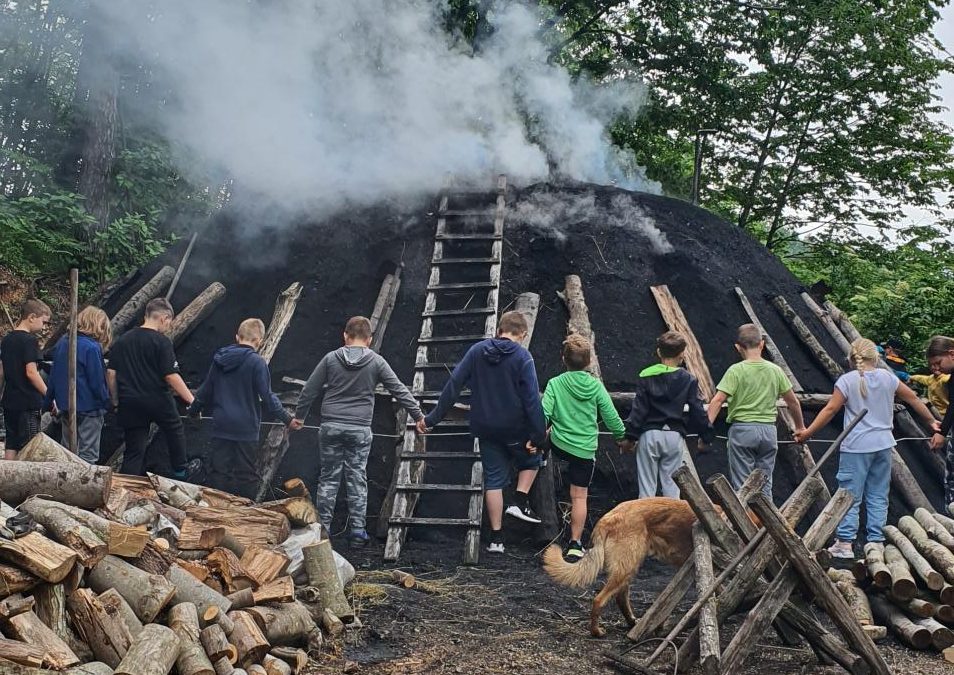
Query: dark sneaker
[
  {"x": 495, "y": 547},
  {"x": 574, "y": 551},
  {"x": 524, "y": 513},
  {"x": 359, "y": 538},
  {"x": 190, "y": 469}
]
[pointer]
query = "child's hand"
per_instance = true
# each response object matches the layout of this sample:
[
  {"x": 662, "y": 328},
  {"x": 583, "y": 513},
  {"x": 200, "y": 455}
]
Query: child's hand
[
  {"x": 702, "y": 447},
  {"x": 421, "y": 426},
  {"x": 937, "y": 442},
  {"x": 626, "y": 445},
  {"x": 801, "y": 435},
  {"x": 296, "y": 424}
]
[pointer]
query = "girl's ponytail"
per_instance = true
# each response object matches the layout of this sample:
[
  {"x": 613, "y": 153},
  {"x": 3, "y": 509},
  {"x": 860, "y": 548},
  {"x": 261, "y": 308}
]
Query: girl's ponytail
[{"x": 863, "y": 352}]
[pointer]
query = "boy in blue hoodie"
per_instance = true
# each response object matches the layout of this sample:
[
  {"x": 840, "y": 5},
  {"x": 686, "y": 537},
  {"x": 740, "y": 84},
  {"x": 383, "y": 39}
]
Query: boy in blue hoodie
[
  {"x": 237, "y": 381},
  {"x": 506, "y": 416}
]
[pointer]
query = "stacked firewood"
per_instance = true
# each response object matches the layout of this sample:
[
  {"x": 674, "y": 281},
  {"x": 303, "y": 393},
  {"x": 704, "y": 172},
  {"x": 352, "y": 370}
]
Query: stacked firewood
[
  {"x": 103, "y": 573},
  {"x": 910, "y": 580}
]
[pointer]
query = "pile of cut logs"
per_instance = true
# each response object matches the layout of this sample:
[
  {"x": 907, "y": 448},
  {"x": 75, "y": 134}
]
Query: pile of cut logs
[
  {"x": 909, "y": 581},
  {"x": 104, "y": 573}
]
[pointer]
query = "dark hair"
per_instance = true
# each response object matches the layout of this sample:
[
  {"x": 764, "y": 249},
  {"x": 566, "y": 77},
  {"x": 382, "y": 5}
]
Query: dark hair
[
  {"x": 513, "y": 323},
  {"x": 939, "y": 345},
  {"x": 159, "y": 306},
  {"x": 577, "y": 352},
  {"x": 670, "y": 344},
  {"x": 35, "y": 307},
  {"x": 358, "y": 328},
  {"x": 749, "y": 336}
]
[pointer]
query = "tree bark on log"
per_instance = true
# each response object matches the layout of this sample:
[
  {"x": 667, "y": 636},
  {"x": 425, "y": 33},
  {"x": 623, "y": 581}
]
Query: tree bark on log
[
  {"x": 904, "y": 482},
  {"x": 708, "y": 629},
  {"x": 39, "y": 556},
  {"x": 695, "y": 362},
  {"x": 248, "y": 638},
  {"x": 247, "y": 524},
  {"x": 876, "y": 566},
  {"x": 296, "y": 658},
  {"x": 279, "y": 590},
  {"x": 215, "y": 615},
  {"x": 323, "y": 575},
  {"x": 902, "y": 580},
  {"x": 50, "y": 606},
  {"x": 223, "y": 667},
  {"x": 216, "y": 644},
  {"x": 855, "y": 597},
  {"x": 189, "y": 589},
  {"x": 196, "y": 312},
  {"x": 777, "y": 357},
  {"x": 133, "y": 309},
  {"x": 384, "y": 306},
  {"x": 121, "y": 540},
  {"x": 941, "y": 636},
  {"x": 84, "y": 486},
  {"x": 275, "y": 666},
  {"x": 934, "y": 528},
  {"x": 918, "y": 607},
  {"x": 21, "y": 653},
  {"x": 67, "y": 530},
  {"x": 906, "y": 630},
  {"x": 941, "y": 559},
  {"x": 579, "y": 321},
  {"x": 806, "y": 337},
  {"x": 289, "y": 624},
  {"x": 331, "y": 624},
  {"x": 42, "y": 448},
  {"x": 115, "y": 603},
  {"x": 828, "y": 322},
  {"x": 920, "y": 566},
  {"x": 106, "y": 633},
  {"x": 146, "y": 593},
  {"x": 28, "y": 628},
  {"x": 300, "y": 511},
  {"x": 176, "y": 493},
  {"x": 184, "y": 621},
  {"x": 154, "y": 652}
]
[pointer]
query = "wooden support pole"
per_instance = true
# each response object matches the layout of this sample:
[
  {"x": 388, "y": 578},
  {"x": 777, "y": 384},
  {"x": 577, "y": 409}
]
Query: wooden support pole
[
  {"x": 579, "y": 321},
  {"x": 130, "y": 312},
  {"x": 904, "y": 482},
  {"x": 708, "y": 629},
  {"x": 828, "y": 322},
  {"x": 71, "y": 375},
  {"x": 807, "y": 338},
  {"x": 196, "y": 312},
  {"x": 181, "y": 268},
  {"x": 695, "y": 362},
  {"x": 777, "y": 357},
  {"x": 818, "y": 582},
  {"x": 384, "y": 306}
]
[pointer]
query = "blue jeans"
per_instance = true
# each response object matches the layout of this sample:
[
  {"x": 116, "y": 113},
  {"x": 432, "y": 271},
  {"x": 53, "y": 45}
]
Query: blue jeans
[{"x": 865, "y": 475}]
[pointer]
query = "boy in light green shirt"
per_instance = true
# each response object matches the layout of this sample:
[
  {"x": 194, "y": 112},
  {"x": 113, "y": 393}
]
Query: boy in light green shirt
[
  {"x": 752, "y": 388},
  {"x": 573, "y": 403}
]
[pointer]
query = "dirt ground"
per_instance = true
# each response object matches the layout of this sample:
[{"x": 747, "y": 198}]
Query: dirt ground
[{"x": 505, "y": 616}]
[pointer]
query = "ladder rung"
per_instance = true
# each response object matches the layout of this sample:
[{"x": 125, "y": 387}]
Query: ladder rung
[
  {"x": 466, "y": 261},
  {"x": 476, "y": 236},
  {"x": 460, "y": 312},
  {"x": 471, "y": 456},
  {"x": 466, "y": 522},
  {"x": 451, "y": 338},
  {"x": 435, "y": 487},
  {"x": 463, "y": 286}
]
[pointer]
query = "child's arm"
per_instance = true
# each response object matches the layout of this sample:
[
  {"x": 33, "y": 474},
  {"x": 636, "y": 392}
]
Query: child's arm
[
  {"x": 611, "y": 418},
  {"x": 823, "y": 417},
  {"x": 179, "y": 387},
  {"x": 96, "y": 374},
  {"x": 263, "y": 387},
  {"x": 532, "y": 407},
  {"x": 398, "y": 390},
  {"x": 547, "y": 403},
  {"x": 715, "y": 405},
  {"x": 907, "y": 395},
  {"x": 457, "y": 381},
  {"x": 111, "y": 385},
  {"x": 204, "y": 395},
  {"x": 698, "y": 420},
  {"x": 637, "y": 413},
  {"x": 794, "y": 407},
  {"x": 314, "y": 390},
  {"x": 33, "y": 375}
]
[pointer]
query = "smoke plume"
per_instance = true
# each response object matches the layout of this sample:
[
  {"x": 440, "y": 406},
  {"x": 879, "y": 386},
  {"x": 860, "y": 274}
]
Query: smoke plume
[{"x": 318, "y": 104}]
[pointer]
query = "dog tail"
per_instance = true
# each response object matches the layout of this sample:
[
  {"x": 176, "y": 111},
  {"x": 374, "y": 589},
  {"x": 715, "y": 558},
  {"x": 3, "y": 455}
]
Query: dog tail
[{"x": 575, "y": 575}]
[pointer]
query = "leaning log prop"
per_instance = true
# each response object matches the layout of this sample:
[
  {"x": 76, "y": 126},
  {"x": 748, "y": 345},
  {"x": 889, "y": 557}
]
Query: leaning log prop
[{"x": 129, "y": 313}]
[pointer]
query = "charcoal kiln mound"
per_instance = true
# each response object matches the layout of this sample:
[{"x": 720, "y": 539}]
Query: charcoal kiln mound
[{"x": 620, "y": 243}]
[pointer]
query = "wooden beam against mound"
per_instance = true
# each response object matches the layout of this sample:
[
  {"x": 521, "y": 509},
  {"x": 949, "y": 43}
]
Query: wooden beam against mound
[
  {"x": 276, "y": 441},
  {"x": 134, "y": 307},
  {"x": 828, "y": 322},
  {"x": 579, "y": 322},
  {"x": 807, "y": 338},
  {"x": 384, "y": 306},
  {"x": 675, "y": 319},
  {"x": 777, "y": 357},
  {"x": 196, "y": 312}
]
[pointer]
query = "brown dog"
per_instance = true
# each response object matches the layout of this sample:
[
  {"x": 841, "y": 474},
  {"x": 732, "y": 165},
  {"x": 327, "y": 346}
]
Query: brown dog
[{"x": 660, "y": 527}]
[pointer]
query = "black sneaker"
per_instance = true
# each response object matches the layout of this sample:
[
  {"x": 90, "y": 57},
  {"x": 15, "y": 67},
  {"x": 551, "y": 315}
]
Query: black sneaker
[
  {"x": 359, "y": 538},
  {"x": 524, "y": 513},
  {"x": 574, "y": 551}
]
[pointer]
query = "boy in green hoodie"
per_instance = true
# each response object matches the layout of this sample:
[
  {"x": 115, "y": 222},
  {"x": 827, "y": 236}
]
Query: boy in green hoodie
[{"x": 572, "y": 404}]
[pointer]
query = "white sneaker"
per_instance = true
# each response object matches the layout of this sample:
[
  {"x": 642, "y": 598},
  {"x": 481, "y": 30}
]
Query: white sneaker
[
  {"x": 495, "y": 547},
  {"x": 842, "y": 550}
]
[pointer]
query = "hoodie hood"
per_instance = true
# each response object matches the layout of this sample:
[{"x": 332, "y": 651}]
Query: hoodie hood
[
  {"x": 354, "y": 358},
  {"x": 580, "y": 384},
  {"x": 230, "y": 358},
  {"x": 497, "y": 349}
]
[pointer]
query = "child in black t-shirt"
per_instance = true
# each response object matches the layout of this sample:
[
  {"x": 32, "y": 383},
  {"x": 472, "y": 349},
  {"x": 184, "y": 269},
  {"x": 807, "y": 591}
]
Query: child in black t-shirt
[
  {"x": 142, "y": 370},
  {"x": 24, "y": 388}
]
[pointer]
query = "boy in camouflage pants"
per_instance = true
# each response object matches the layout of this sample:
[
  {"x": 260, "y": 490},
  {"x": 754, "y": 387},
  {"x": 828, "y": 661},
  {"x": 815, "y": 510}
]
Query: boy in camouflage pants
[{"x": 344, "y": 382}]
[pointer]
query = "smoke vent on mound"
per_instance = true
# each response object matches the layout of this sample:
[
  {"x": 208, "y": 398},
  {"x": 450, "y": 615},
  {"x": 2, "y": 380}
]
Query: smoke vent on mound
[{"x": 620, "y": 243}]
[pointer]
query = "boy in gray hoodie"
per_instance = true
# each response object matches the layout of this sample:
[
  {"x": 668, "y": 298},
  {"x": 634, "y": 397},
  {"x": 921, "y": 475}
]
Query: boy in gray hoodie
[{"x": 344, "y": 382}]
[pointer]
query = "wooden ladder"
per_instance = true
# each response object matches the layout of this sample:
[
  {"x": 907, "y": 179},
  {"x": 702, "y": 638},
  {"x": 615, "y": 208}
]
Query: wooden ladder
[{"x": 408, "y": 483}]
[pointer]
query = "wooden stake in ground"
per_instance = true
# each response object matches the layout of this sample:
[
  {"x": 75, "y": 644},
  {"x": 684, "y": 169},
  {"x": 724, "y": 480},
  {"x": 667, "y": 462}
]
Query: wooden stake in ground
[
  {"x": 579, "y": 322},
  {"x": 71, "y": 375},
  {"x": 154, "y": 652},
  {"x": 323, "y": 574},
  {"x": 132, "y": 310},
  {"x": 709, "y": 650},
  {"x": 676, "y": 320}
]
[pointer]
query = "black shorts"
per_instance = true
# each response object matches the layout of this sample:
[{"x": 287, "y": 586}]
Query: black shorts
[
  {"x": 21, "y": 426},
  {"x": 581, "y": 470}
]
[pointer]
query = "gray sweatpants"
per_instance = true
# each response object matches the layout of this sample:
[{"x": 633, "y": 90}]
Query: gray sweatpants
[
  {"x": 658, "y": 455},
  {"x": 751, "y": 446},
  {"x": 89, "y": 430}
]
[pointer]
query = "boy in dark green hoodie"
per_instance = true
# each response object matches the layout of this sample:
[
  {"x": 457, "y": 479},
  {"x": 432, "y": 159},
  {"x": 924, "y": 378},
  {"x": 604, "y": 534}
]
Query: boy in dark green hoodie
[{"x": 573, "y": 403}]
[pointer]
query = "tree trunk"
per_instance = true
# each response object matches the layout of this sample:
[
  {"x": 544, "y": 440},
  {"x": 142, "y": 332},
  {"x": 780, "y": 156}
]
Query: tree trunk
[
  {"x": 67, "y": 530},
  {"x": 807, "y": 338},
  {"x": 121, "y": 540},
  {"x": 288, "y": 624},
  {"x": 84, "y": 486},
  {"x": 132, "y": 311},
  {"x": 190, "y": 589},
  {"x": 154, "y": 652},
  {"x": 116, "y": 604},
  {"x": 248, "y": 639},
  {"x": 105, "y": 633},
  {"x": 217, "y": 645},
  {"x": 196, "y": 312},
  {"x": 146, "y": 593},
  {"x": 323, "y": 575},
  {"x": 579, "y": 322},
  {"x": 42, "y": 448}
]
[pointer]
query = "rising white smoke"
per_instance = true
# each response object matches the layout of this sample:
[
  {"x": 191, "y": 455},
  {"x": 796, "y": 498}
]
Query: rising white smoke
[{"x": 316, "y": 104}]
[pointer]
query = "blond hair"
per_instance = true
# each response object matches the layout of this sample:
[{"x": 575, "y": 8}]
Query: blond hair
[
  {"x": 94, "y": 322},
  {"x": 863, "y": 352},
  {"x": 251, "y": 329}
]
